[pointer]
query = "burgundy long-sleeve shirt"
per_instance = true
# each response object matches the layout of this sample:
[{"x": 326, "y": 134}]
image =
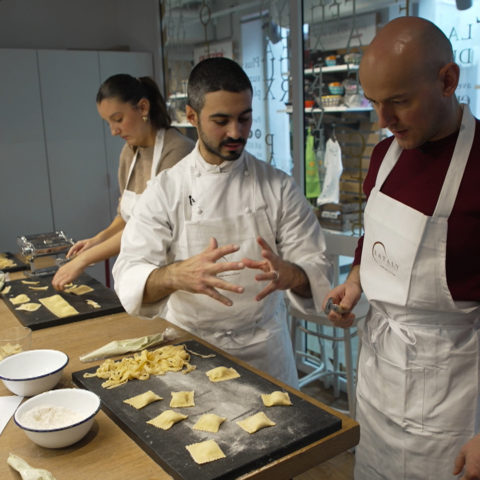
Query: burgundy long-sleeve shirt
[{"x": 416, "y": 180}]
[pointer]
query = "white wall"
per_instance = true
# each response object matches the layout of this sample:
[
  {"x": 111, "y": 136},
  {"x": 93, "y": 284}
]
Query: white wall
[{"x": 84, "y": 25}]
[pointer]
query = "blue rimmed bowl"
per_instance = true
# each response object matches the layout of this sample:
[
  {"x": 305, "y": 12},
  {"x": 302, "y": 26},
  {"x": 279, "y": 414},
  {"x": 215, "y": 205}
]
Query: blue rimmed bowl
[
  {"x": 33, "y": 371},
  {"x": 82, "y": 405}
]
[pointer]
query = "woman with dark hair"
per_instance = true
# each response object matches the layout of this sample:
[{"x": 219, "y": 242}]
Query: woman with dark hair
[{"x": 135, "y": 110}]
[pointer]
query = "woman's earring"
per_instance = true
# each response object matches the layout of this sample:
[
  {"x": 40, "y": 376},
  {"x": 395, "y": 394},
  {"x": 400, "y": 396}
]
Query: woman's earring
[{"x": 145, "y": 118}]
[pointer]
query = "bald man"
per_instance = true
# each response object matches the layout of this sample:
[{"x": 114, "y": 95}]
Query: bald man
[{"x": 418, "y": 265}]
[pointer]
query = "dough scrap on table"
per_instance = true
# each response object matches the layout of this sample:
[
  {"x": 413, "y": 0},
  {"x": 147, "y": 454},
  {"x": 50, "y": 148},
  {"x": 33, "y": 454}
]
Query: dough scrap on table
[
  {"x": 58, "y": 306},
  {"x": 142, "y": 400},
  {"x": 220, "y": 374},
  {"x": 276, "y": 398},
  {"x": 204, "y": 452},
  {"x": 30, "y": 282},
  {"x": 22, "y": 298},
  {"x": 209, "y": 422},
  {"x": 182, "y": 399},
  {"x": 29, "y": 307},
  {"x": 256, "y": 422},
  {"x": 39, "y": 288},
  {"x": 6, "y": 263},
  {"x": 6, "y": 289},
  {"x": 167, "y": 419},
  {"x": 79, "y": 289},
  {"x": 93, "y": 303}
]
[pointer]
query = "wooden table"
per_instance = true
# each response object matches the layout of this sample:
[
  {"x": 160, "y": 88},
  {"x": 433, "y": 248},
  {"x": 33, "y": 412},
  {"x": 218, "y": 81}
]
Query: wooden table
[{"x": 107, "y": 450}]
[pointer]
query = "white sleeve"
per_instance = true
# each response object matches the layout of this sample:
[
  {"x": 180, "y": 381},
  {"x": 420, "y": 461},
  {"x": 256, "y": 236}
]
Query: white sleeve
[
  {"x": 145, "y": 243},
  {"x": 300, "y": 240}
]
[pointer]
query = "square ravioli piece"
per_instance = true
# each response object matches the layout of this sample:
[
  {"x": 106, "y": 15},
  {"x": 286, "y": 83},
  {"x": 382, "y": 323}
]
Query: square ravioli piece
[
  {"x": 182, "y": 399},
  {"x": 205, "y": 452},
  {"x": 142, "y": 400},
  {"x": 276, "y": 398},
  {"x": 256, "y": 422},
  {"x": 58, "y": 306},
  {"x": 209, "y": 422},
  {"x": 221, "y": 374},
  {"x": 167, "y": 419}
]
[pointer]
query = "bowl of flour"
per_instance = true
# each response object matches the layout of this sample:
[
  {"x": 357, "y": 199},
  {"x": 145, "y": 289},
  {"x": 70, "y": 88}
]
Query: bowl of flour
[{"x": 58, "y": 418}]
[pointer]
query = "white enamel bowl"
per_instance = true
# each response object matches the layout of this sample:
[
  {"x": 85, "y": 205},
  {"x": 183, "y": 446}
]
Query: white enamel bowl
[
  {"x": 33, "y": 371},
  {"x": 82, "y": 402}
]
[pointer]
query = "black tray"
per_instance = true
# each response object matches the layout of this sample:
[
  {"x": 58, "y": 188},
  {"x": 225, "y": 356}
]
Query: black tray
[
  {"x": 19, "y": 264},
  {"x": 42, "y": 318},
  {"x": 297, "y": 425}
]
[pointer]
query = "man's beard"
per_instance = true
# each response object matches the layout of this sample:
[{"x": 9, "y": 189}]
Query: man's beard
[{"x": 231, "y": 155}]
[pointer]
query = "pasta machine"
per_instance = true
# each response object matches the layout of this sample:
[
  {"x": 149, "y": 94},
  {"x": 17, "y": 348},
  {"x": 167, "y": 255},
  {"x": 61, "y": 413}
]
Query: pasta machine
[{"x": 45, "y": 252}]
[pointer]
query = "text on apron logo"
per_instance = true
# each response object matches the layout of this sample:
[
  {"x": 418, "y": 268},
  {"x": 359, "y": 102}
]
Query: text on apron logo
[{"x": 379, "y": 254}]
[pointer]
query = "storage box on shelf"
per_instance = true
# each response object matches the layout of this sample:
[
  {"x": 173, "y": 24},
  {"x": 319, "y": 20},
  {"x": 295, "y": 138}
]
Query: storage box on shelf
[{"x": 343, "y": 217}]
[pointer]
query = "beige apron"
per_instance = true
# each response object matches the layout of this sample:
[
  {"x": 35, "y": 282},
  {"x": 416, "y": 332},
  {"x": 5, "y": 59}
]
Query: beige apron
[
  {"x": 129, "y": 198},
  {"x": 254, "y": 331},
  {"x": 418, "y": 373}
]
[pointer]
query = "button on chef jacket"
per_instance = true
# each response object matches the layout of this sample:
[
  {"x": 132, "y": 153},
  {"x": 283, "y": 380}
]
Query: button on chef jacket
[{"x": 240, "y": 200}]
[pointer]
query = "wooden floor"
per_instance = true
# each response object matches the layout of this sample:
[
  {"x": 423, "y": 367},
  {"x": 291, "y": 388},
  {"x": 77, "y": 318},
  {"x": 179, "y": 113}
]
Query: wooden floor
[
  {"x": 341, "y": 466},
  {"x": 338, "y": 468}
]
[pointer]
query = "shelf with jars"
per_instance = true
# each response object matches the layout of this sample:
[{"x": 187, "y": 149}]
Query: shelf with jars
[{"x": 334, "y": 87}]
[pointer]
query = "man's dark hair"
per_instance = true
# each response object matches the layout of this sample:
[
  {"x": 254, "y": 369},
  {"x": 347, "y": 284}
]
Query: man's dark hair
[{"x": 212, "y": 75}]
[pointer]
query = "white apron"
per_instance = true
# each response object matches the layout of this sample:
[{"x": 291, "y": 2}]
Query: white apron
[
  {"x": 418, "y": 373},
  {"x": 129, "y": 198},
  {"x": 255, "y": 332}
]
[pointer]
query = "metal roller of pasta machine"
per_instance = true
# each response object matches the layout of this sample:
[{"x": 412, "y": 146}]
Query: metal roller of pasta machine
[{"x": 45, "y": 252}]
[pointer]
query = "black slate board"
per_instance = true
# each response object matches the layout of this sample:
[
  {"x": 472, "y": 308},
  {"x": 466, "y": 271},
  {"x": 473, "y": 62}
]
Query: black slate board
[
  {"x": 42, "y": 318},
  {"x": 19, "y": 265},
  {"x": 297, "y": 425}
]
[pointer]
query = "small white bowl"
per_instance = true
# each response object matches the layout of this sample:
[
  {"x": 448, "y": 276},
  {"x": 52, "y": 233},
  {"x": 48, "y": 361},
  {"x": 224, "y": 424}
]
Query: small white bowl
[
  {"x": 33, "y": 371},
  {"x": 84, "y": 403}
]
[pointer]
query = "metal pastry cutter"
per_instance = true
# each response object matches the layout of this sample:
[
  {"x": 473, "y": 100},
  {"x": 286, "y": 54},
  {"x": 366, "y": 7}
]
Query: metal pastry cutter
[{"x": 333, "y": 306}]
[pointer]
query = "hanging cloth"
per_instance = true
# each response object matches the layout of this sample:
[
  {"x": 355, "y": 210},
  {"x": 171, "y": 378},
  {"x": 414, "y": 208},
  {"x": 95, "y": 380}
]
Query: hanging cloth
[
  {"x": 333, "y": 171},
  {"x": 312, "y": 178}
]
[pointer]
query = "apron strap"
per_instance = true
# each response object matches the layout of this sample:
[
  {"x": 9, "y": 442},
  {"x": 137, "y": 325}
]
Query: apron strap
[
  {"x": 388, "y": 162},
  {"x": 456, "y": 169},
  {"x": 157, "y": 154},
  {"x": 453, "y": 178}
]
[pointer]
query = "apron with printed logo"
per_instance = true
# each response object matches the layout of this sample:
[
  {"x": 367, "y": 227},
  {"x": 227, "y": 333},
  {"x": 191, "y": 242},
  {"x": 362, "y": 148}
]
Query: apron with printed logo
[
  {"x": 129, "y": 198},
  {"x": 255, "y": 332},
  {"x": 418, "y": 372}
]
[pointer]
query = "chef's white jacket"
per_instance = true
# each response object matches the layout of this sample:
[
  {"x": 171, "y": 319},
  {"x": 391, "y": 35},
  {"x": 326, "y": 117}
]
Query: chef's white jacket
[{"x": 183, "y": 193}]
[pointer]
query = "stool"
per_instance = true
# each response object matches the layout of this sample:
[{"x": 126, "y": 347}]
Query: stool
[
  {"x": 321, "y": 364},
  {"x": 337, "y": 244}
]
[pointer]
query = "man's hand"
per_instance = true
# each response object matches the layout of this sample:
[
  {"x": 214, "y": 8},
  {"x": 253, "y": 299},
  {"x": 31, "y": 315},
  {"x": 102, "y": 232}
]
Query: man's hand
[
  {"x": 282, "y": 275},
  {"x": 197, "y": 274},
  {"x": 346, "y": 295},
  {"x": 468, "y": 460}
]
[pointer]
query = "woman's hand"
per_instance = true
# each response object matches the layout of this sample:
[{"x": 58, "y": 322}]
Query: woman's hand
[
  {"x": 81, "y": 246},
  {"x": 68, "y": 273}
]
